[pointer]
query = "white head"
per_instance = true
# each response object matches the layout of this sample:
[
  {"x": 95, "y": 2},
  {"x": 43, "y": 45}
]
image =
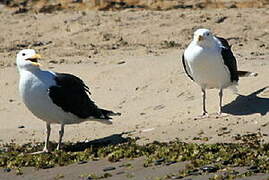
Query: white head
[
  {"x": 27, "y": 59},
  {"x": 203, "y": 37}
]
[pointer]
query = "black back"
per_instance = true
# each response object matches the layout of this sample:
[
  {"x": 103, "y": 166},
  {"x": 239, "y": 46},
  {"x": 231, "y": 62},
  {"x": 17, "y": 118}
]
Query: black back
[
  {"x": 72, "y": 95},
  {"x": 186, "y": 68},
  {"x": 229, "y": 59}
]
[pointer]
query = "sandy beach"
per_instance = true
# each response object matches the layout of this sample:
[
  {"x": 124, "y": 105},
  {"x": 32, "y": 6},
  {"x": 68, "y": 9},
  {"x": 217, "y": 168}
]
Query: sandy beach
[{"x": 131, "y": 61}]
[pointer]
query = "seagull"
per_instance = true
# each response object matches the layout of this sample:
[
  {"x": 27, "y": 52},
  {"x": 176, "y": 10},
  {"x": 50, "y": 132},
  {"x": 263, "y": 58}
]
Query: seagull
[
  {"x": 56, "y": 97},
  {"x": 208, "y": 60}
]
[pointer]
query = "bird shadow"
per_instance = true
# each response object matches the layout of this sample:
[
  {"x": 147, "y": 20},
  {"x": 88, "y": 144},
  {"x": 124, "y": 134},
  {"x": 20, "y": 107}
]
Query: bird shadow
[
  {"x": 98, "y": 143},
  {"x": 250, "y": 104}
]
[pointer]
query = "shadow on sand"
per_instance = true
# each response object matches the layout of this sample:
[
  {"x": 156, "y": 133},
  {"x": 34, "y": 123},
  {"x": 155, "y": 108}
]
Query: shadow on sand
[
  {"x": 98, "y": 143},
  {"x": 250, "y": 104}
]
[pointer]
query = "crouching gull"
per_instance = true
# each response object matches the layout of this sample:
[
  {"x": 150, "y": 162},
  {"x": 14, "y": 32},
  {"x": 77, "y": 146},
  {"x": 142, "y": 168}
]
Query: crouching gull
[
  {"x": 56, "y": 97},
  {"x": 209, "y": 61}
]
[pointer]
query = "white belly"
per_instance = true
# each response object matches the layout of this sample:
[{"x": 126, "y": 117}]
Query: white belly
[
  {"x": 208, "y": 69},
  {"x": 34, "y": 93}
]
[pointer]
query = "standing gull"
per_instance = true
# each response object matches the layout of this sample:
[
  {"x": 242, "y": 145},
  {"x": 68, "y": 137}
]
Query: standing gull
[
  {"x": 209, "y": 61},
  {"x": 56, "y": 97}
]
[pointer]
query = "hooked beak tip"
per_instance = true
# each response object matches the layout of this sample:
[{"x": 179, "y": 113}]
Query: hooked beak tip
[
  {"x": 37, "y": 56},
  {"x": 34, "y": 59}
]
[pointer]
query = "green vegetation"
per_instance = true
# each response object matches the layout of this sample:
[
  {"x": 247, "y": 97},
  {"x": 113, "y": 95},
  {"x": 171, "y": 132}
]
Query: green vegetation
[{"x": 203, "y": 158}]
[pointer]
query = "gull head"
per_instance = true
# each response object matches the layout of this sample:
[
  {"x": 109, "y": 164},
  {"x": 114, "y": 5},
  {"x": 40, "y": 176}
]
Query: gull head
[
  {"x": 28, "y": 59},
  {"x": 203, "y": 37}
]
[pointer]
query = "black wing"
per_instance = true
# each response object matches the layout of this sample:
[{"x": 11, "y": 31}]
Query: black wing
[
  {"x": 229, "y": 59},
  {"x": 186, "y": 67},
  {"x": 72, "y": 95}
]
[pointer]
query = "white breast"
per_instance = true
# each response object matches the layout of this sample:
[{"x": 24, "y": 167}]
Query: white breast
[
  {"x": 207, "y": 67},
  {"x": 34, "y": 92}
]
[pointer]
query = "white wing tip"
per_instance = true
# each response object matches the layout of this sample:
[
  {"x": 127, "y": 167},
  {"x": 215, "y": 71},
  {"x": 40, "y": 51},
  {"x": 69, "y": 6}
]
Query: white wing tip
[{"x": 253, "y": 74}]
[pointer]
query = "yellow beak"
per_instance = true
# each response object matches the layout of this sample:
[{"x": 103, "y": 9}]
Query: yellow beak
[
  {"x": 35, "y": 57},
  {"x": 36, "y": 64}
]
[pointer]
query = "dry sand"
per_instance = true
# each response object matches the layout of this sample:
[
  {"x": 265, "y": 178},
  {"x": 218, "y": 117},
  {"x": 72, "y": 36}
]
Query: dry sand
[{"x": 131, "y": 60}]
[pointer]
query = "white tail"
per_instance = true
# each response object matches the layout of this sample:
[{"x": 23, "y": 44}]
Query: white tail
[{"x": 246, "y": 74}]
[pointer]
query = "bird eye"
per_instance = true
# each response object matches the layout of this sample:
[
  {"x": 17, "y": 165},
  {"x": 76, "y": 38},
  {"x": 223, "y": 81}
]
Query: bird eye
[
  {"x": 23, "y": 54},
  {"x": 207, "y": 34}
]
